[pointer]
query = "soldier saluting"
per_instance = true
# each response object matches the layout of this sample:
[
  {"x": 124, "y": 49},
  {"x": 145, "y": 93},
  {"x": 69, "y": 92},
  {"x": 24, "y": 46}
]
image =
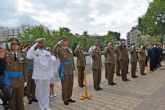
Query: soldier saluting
[
  {"x": 66, "y": 69},
  {"x": 96, "y": 67},
  {"x": 123, "y": 57},
  {"x": 81, "y": 62},
  {"x": 110, "y": 62}
]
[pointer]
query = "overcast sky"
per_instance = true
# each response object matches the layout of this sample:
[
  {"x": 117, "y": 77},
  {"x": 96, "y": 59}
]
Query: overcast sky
[{"x": 94, "y": 16}]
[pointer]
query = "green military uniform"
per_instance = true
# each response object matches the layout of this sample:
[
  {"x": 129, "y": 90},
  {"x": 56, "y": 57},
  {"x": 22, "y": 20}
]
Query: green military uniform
[
  {"x": 66, "y": 55},
  {"x": 123, "y": 62},
  {"x": 110, "y": 63},
  {"x": 31, "y": 87},
  {"x": 17, "y": 83},
  {"x": 117, "y": 61},
  {"x": 96, "y": 67},
  {"x": 106, "y": 66},
  {"x": 142, "y": 60},
  {"x": 81, "y": 62},
  {"x": 15, "y": 68},
  {"x": 133, "y": 62}
]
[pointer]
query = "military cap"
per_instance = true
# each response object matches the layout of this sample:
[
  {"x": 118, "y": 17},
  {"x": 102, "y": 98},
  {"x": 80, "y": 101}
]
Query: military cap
[
  {"x": 40, "y": 39},
  {"x": 13, "y": 40},
  {"x": 64, "y": 39}
]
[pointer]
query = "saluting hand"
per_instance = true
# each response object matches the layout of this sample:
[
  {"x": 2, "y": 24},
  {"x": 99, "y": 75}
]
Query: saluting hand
[{"x": 2, "y": 53}]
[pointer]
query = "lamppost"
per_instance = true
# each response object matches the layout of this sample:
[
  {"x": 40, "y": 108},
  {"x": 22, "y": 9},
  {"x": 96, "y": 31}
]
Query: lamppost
[{"x": 160, "y": 19}]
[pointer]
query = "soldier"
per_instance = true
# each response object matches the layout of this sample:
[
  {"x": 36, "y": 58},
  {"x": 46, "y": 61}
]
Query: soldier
[
  {"x": 42, "y": 71},
  {"x": 123, "y": 60},
  {"x": 96, "y": 67},
  {"x": 110, "y": 62},
  {"x": 142, "y": 59},
  {"x": 14, "y": 75},
  {"x": 133, "y": 54},
  {"x": 31, "y": 87},
  {"x": 66, "y": 70},
  {"x": 117, "y": 61},
  {"x": 81, "y": 62}
]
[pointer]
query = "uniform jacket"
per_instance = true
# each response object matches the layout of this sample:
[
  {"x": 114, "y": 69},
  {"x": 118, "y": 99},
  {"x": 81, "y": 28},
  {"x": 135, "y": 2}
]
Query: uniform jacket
[
  {"x": 81, "y": 62},
  {"x": 109, "y": 55},
  {"x": 16, "y": 66},
  {"x": 96, "y": 60},
  {"x": 66, "y": 55},
  {"x": 133, "y": 55},
  {"x": 123, "y": 56},
  {"x": 142, "y": 54}
]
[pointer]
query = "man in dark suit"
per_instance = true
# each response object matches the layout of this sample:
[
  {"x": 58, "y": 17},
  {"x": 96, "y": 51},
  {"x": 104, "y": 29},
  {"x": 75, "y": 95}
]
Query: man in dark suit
[{"x": 151, "y": 56}]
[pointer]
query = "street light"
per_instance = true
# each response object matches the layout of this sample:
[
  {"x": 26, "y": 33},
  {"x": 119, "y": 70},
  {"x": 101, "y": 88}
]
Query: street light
[{"x": 160, "y": 19}]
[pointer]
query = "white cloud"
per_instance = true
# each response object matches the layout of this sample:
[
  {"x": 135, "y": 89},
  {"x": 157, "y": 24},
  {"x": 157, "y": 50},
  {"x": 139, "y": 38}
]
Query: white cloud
[{"x": 94, "y": 16}]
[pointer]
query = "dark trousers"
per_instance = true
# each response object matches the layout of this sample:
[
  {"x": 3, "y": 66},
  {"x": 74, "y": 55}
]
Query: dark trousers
[
  {"x": 67, "y": 87},
  {"x": 117, "y": 66},
  {"x": 81, "y": 75},
  {"x": 16, "y": 102},
  {"x": 111, "y": 68},
  {"x": 30, "y": 89},
  {"x": 124, "y": 69},
  {"x": 106, "y": 71},
  {"x": 142, "y": 66},
  {"x": 133, "y": 68},
  {"x": 96, "y": 78},
  {"x": 152, "y": 66}
]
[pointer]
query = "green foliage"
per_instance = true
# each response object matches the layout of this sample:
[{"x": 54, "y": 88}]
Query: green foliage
[
  {"x": 29, "y": 36},
  {"x": 147, "y": 23},
  {"x": 109, "y": 37},
  {"x": 147, "y": 39}
]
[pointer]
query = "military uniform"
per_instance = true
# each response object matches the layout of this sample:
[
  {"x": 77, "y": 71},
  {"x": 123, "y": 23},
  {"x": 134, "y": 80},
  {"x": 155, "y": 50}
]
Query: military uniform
[
  {"x": 117, "y": 61},
  {"x": 31, "y": 87},
  {"x": 110, "y": 64},
  {"x": 16, "y": 66},
  {"x": 123, "y": 62},
  {"x": 142, "y": 60},
  {"x": 81, "y": 62},
  {"x": 96, "y": 67},
  {"x": 66, "y": 55},
  {"x": 133, "y": 62}
]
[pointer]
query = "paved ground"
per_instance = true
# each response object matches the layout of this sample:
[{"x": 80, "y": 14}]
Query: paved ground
[{"x": 143, "y": 93}]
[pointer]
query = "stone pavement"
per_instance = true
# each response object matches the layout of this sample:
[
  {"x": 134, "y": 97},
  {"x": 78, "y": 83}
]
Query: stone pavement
[{"x": 143, "y": 93}]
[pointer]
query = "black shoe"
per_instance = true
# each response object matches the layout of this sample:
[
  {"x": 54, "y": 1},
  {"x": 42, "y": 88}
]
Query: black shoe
[
  {"x": 71, "y": 100},
  {"x": 112, "y": 84},
  {"x": 30, "y": 101},
  {"x": 118, "y": 75},
  {"x": 66, "y": 102},
  {"x": 134, "y": 76},
  {"x": 143, "y": 74},
  {"x": 100, "y": 88},
  {"x": 125, "y": 80},
  {"x": 34, "y": 100},
  {"x": 81, "y": 86},
  {"x": 97, "y": 89}
]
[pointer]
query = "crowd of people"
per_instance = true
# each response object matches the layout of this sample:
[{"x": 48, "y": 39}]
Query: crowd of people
[{"x": 31, "y": 71}]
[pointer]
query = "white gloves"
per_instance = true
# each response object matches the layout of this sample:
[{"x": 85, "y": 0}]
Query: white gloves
[{"x": 25, "y": 84}]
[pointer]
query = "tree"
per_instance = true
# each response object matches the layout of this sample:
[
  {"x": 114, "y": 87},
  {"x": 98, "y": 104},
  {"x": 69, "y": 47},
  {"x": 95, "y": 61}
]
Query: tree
[
  {"x": 147, "y": 23},
  {"x": 109, "y": 37}
]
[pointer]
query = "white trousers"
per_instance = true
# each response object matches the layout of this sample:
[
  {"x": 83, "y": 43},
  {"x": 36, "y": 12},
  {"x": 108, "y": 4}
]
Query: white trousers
[{"x": 42, "y": 93}]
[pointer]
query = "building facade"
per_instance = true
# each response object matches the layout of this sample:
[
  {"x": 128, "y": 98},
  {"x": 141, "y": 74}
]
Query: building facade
[
  {"x": 132, "y": 36},
  {"x": 6, "y": 32}
]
